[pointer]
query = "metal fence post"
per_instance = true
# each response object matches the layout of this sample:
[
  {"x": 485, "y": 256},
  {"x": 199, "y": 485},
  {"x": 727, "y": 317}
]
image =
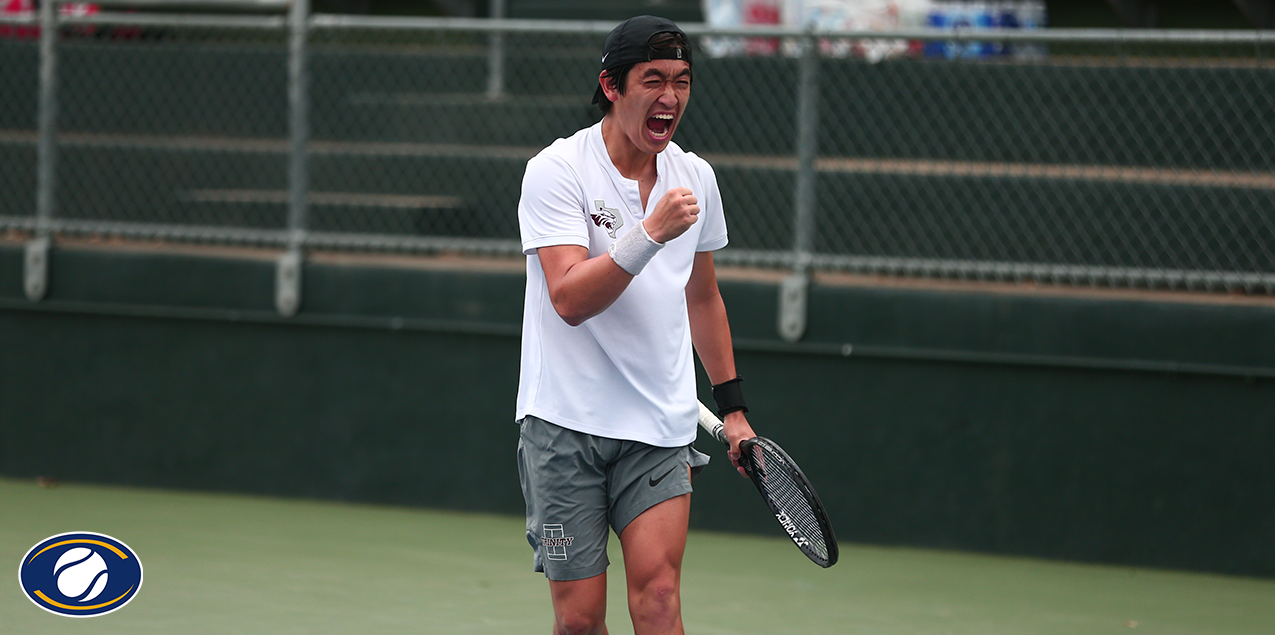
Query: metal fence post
[
  {"x": 792, "y": 294},
  {"x": 496, "y": 54},
  {"x": 288, "y": 273},
  {"x": 36, "y": 261}
]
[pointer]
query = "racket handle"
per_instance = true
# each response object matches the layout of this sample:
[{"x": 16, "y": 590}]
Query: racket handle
[{"x": 709, "y": 421}]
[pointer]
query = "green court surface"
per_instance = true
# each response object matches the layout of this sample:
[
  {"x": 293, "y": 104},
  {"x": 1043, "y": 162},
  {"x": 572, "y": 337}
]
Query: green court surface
[{"x": 217, "y": 563}]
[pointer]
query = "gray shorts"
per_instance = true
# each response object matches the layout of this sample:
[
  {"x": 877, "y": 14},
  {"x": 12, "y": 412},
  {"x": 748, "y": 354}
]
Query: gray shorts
[{"x": 577, "y": 485}]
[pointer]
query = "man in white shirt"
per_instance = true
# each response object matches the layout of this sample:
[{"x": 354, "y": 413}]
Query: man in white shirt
[{"x": 618, "y": 224}]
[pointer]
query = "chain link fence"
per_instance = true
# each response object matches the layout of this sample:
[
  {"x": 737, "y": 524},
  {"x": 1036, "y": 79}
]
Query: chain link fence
[{"x": 1072, "y": 157}]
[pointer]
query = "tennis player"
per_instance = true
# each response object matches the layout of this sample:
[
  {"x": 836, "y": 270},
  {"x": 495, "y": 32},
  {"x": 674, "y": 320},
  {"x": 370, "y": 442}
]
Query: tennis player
[{"x": 618, "y": 225}]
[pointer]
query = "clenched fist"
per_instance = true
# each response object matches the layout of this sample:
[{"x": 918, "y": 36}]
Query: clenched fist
[{"x": 677, "y": 210}]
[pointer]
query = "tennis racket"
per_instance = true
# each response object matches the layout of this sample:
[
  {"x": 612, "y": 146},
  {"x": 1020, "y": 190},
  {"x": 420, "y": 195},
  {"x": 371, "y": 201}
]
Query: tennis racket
[{"x": 785, "y": 489}]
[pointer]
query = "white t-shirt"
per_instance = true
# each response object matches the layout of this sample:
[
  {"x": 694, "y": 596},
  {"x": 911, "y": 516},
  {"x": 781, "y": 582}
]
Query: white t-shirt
[{"x": 628, "y": 372}]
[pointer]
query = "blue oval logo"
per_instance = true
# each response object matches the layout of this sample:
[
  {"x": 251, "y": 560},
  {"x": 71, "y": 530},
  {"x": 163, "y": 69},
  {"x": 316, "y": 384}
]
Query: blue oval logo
[{"x": 80, "y": 574}]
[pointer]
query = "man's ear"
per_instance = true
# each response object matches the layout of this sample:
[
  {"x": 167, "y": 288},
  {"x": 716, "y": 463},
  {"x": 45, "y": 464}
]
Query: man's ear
[{"x": 608, "y": 90}]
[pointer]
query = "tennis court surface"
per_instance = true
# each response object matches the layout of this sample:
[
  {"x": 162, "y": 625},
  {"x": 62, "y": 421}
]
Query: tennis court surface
[{"x": 216, "y": 563}]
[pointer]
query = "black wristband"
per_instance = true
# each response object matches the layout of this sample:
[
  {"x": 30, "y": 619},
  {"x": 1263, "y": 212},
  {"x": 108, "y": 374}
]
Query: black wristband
[{"x": 729, "y": 397}]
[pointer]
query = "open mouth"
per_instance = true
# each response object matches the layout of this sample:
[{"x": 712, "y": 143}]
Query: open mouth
[{"x": 660, "y": 126}]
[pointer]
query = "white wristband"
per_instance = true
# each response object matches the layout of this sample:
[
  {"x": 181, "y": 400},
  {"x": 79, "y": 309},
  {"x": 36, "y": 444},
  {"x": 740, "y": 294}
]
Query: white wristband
[{"x": 634, "y": 249}]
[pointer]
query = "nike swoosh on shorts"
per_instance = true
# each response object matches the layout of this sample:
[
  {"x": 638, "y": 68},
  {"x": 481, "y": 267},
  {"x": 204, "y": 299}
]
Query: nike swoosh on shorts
[{"x": 656, "y": 481}]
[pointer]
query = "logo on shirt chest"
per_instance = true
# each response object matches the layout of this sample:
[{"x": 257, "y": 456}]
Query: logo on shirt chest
[{"x": 605, "y": 217}]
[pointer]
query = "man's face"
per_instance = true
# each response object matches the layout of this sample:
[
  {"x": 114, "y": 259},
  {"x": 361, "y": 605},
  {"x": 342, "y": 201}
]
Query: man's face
[{"x": 652, "y": 104}]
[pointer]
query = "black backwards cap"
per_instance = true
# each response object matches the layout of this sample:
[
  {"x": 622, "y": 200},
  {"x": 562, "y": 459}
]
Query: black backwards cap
[{"x": 630, "y": 43}]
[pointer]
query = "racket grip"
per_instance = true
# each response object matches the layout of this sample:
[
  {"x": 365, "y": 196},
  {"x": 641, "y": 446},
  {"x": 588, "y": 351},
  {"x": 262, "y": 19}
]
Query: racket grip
[{"x": 709, "y": 421}]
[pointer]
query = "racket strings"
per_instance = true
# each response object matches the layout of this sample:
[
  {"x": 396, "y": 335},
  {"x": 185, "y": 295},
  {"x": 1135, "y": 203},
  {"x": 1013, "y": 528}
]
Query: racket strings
[{"x": 789, "y": 496}]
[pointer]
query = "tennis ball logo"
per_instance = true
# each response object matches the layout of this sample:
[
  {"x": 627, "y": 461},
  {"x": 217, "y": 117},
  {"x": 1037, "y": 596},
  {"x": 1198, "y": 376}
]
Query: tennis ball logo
[{"x": 81, "y": 574}]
